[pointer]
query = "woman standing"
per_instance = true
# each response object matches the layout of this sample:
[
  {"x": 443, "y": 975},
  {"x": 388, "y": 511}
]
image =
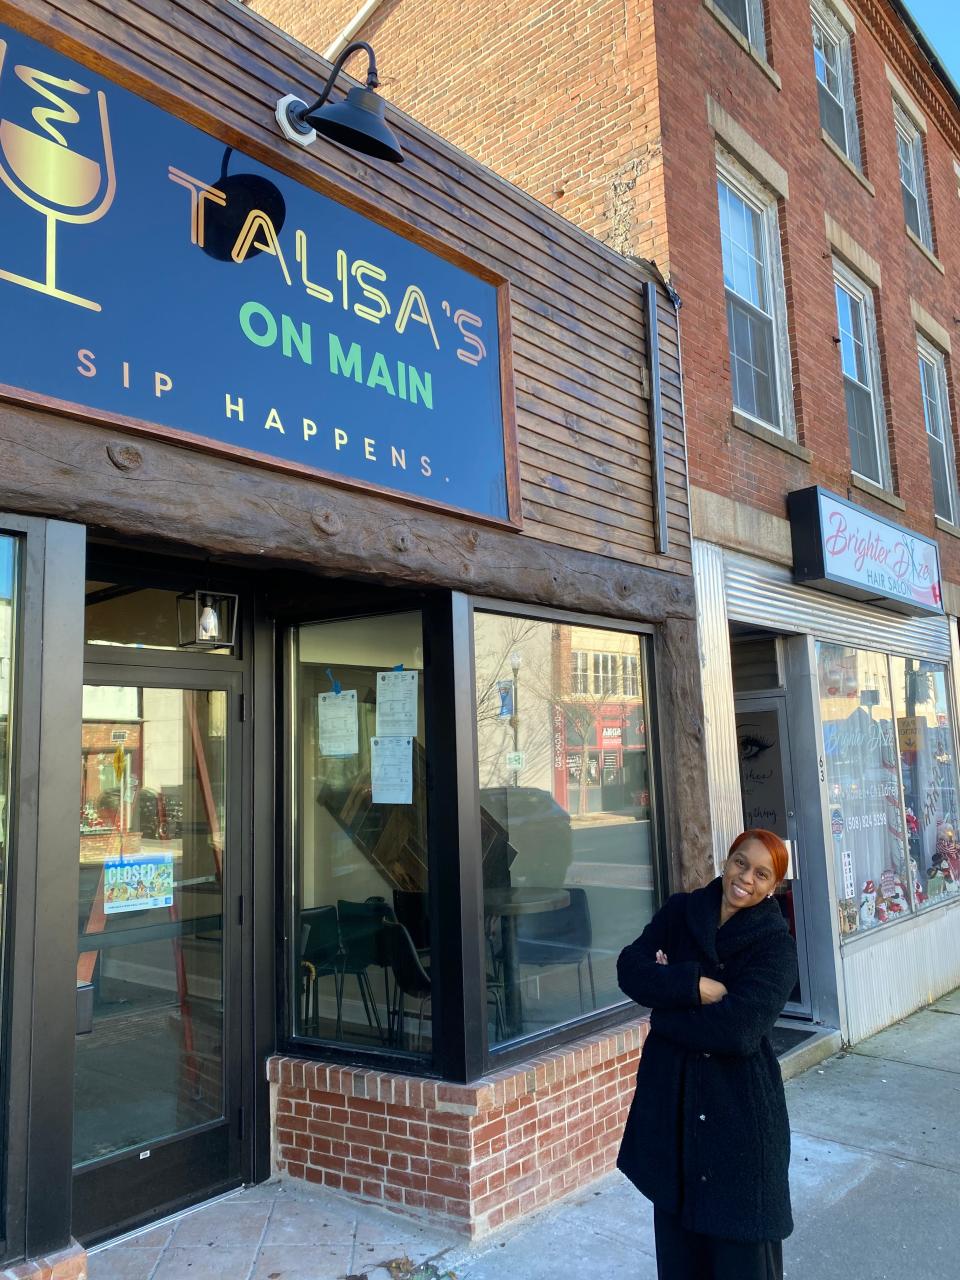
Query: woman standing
[{"x": 707, "y": 1138}]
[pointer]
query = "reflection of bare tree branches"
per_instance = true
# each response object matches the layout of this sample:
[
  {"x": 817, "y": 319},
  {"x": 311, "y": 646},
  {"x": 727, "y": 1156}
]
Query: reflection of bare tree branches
[{"x": 497, "y": 639}]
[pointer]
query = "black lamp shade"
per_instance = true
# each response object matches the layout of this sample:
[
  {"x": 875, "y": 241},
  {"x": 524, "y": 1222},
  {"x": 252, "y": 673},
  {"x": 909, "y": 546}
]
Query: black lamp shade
[{"x": 358, "y": 122}]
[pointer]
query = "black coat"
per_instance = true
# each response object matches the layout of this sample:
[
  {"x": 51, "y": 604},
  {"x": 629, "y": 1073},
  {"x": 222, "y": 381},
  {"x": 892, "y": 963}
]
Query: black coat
[{"x": 707, "y": 1136}]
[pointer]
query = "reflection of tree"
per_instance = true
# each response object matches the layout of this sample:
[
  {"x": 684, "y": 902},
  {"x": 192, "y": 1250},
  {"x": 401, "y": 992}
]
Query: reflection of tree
[{"x": 497, "y": 639}]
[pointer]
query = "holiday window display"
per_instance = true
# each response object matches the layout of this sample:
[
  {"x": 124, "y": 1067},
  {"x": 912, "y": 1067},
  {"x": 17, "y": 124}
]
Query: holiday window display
[{"x": 863, "y": 788}]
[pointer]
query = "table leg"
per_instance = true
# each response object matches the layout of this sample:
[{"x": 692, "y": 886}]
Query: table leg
[{"x": 512, "y": 1004}]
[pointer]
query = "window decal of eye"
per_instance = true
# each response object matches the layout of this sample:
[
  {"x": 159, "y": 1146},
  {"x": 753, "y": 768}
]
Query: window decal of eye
[{"x": 752, "y": 745}]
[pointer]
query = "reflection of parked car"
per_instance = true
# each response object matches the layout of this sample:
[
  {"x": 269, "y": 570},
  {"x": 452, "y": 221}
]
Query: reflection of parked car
[
  {"x": 537, "y": 827},
  {"x": 157, "y": 815}
]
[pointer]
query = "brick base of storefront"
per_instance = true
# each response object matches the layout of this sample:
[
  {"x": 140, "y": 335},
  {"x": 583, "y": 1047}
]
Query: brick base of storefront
[
  {"x": 66, "y": 1264},
  {"x": 478, "y": 1155}
]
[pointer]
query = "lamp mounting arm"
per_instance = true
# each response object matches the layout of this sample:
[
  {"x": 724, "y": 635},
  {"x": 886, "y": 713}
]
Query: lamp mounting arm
[{"x": 373, "y": 80}]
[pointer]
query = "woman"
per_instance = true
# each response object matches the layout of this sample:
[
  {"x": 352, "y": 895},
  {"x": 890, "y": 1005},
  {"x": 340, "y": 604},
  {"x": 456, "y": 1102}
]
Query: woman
[{"x": 707, "y": 1138}]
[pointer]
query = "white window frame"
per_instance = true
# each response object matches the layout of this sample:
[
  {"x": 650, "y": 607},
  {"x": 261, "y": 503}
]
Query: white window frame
[
  {"x": 579, "y": 671},
  {"x": 836, "y": 31},
  {"x": 906, "y": 129},
  {"x": 862, "y": 292},
  {"x": 755, "y": 32},
  {"x": 630, "y": 675},
  {"x": 764, "y": 202},
  {"x": 605, "y": 674},
  {"x": 933, "y": 356}
]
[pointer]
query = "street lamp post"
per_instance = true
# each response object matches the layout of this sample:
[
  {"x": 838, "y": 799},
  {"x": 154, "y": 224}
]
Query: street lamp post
[{"x": 515, "y": 718}]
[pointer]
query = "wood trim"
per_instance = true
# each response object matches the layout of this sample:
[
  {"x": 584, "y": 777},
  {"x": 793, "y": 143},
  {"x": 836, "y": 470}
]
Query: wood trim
[
  {"x": 203, "y": 444},
  {"x": 508, "y": 402}
]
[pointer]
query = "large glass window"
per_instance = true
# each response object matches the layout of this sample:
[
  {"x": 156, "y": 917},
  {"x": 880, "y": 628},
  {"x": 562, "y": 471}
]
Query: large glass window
[
  {"x": 747, "y": 17},
  {"x": 913, "y": 182},
  {"x": 566, "y": 817},
  {"x": 756, "y": 320},
  {"x": 833, "y": 65},
  {"x": 928, "y": 765},
  {"x": 360, "y": 929},
  {"x": 936, "y": 419},
  {"x": 891, "y": 780},
  {"x": 8, "y": 615},
  {"x": 860, "y": 361}
]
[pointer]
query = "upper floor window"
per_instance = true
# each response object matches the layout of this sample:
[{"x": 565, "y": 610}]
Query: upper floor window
[
  {"x": 756, "y": 311},
  {"x": 747, "y": 17},
  {"x": 578, "y": 672},
  {"x": 604, "y": 673},
  {"x": 860, "y": 360},
  {"x": 936, "y": 419},
  {"x": 913, "y": 183},
  {"x": 833, "y": 64},
  {"x": 631, "y": 683}
]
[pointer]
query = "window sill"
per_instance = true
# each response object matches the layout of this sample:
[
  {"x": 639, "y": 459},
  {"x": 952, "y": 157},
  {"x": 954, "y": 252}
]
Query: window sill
[
  {"x": 875, "y": 491},
  {"x": 931, "y": 257},
  {"x": 769, "y": 436},
  {"x": 946, "y": 527},
  {"x": 847, "y": 162},
  {"x": 733, "y": 30}
]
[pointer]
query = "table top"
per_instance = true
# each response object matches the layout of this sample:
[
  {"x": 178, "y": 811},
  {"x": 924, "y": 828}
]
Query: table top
[{"x": 522, "y": 902}]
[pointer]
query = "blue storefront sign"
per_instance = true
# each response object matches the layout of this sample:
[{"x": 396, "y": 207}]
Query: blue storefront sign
[{"x": 153, "y": 278}]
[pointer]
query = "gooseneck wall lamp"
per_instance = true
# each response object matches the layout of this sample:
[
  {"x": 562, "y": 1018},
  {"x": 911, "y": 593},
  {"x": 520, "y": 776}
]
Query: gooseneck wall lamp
[{"x": 357, "y": 122}]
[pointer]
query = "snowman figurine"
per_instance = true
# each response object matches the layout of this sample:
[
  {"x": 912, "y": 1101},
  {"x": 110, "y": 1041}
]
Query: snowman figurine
[
  {"x": 898, "y": 903},
  {"x": 868, "y": 905},
  {"x": 918, "y": 891}
]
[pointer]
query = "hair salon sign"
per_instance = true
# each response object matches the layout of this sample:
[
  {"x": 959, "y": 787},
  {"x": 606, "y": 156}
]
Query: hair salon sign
[
  {"x": 152, "y": 278},
  {"x": 843, "y": 548}
]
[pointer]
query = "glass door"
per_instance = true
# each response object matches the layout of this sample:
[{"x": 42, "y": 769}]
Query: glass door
[
  {"x": 766, "y": 788},
  {"x": 156, "y": 1105}
]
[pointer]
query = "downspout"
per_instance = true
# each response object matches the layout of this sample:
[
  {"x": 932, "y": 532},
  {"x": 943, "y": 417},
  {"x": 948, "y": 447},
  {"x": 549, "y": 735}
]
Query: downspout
[{"x": 355, "y": 25}]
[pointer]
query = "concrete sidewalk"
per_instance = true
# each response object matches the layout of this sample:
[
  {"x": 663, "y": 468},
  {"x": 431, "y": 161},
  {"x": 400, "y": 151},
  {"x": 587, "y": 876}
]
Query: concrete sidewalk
[{"x": 876, "y": 1158}]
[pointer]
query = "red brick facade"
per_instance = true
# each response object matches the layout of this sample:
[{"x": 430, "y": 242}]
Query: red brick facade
[
  {"x": 600, "y": 112},
  {"x": 478, "y": 1155}
]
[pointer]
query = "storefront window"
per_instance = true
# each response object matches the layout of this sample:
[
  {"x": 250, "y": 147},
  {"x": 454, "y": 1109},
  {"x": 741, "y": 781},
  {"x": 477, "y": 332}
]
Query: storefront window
[
  {"x": 929, "y": 770},
  {"x": 863, "y": 784},
  {"x": 566, "y": 823},
  {"x": 360, "y": 954},
  {"x": 8, "y": 561}
]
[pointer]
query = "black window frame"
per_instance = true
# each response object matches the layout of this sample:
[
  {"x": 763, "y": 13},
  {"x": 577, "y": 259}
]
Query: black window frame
[{"x": 460, "y": 1048}]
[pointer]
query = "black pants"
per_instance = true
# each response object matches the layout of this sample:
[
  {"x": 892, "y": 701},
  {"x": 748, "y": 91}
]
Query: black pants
[{"x": 682, "y": 1255}]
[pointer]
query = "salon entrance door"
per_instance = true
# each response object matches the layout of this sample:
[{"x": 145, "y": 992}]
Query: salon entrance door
[
  {"x": 767, "y": 793},
  {"x": 157, "y": 1123}
]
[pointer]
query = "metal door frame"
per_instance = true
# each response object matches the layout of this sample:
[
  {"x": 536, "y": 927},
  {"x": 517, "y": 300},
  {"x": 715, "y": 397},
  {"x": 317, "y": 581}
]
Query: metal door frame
[
  {"x": 113, "y": 665},
  {"x": 776, "y": 700}
]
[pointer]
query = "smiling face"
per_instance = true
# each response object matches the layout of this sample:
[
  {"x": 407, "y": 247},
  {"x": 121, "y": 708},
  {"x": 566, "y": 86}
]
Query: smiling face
[{"x": 748, "y": 877}]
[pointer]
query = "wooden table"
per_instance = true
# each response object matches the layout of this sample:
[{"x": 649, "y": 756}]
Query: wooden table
[{"x": 507, "y": 905}]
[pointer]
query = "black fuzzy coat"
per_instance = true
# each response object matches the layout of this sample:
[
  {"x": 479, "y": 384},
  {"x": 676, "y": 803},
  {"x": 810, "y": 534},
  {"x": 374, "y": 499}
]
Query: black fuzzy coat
[{"x": 707, "y": 1136}]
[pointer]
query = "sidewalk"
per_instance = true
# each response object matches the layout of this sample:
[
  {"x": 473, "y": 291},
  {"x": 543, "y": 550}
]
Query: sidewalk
[{"x": 876, "y": 1158}]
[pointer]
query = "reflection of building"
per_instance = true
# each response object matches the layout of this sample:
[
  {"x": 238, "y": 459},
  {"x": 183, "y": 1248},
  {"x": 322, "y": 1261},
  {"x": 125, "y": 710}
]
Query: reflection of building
[{"x": 600, "y": 749}]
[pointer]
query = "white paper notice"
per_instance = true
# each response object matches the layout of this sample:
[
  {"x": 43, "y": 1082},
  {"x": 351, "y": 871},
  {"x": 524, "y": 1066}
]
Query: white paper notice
[
  {"x": 391, "y": 770},
  {"x": 337, "y": 723},
  {"x": 397, "y": 703}
]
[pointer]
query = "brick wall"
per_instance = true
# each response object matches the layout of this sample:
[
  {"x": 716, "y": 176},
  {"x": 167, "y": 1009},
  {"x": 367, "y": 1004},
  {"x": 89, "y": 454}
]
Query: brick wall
[
  {"x": 478, "y": 1155},
  {"x": 599, "y": 111}
]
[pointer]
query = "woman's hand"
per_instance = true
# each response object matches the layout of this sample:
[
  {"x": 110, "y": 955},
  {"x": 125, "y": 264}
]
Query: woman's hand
[
  {"x": 662, "y": 957},
  {"x": 711, "y": 992}
]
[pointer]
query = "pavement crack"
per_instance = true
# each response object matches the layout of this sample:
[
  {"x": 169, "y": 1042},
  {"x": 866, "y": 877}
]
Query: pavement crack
[{"x": 873, "y": 1151}]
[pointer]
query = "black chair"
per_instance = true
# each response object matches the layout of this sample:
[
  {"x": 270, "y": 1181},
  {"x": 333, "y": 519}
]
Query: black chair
[
  {"x": 559, "y": 937},
  {"x": 410, "y": 909},
  {"x": 410, "y": 979},
  {"x": 361, "y": 927},
  {"x": 320, "y": 957}
]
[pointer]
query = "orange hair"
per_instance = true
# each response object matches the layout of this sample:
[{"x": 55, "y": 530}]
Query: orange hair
[{"x": 772, "y": 843}]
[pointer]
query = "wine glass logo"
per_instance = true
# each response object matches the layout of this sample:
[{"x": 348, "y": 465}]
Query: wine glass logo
[{"x": 40, "y": 168}]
